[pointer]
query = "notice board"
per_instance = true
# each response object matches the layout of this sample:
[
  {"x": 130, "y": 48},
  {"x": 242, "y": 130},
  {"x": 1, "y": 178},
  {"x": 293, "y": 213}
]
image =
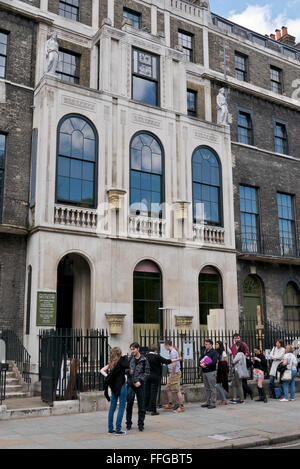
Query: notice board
[{"x": 46, "y": 308}]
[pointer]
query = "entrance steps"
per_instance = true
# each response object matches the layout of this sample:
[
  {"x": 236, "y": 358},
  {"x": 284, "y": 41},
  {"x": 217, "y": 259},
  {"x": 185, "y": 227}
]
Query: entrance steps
[{"x": 15, "y": 385}]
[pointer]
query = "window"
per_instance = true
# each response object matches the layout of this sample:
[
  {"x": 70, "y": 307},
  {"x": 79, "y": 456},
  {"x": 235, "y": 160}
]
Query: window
[
  {"x": 210, "y": 292},
  {"x": 2, "y": 163},
  {"x": 147, "y": 295},
  {"x": 135, "y": 18},
  {"x": 76, "y": 162},
  {"x": 206, "y": 187},
  {"x": 249, "y": 219},
  {"x": 286, "y": 224},
  {"x": 146, "y": 175},
  {"x": 3, "y": 54},
  {"x": 69, "y": 9},
  {"x": 291, "y": 302},
  {"x": 145, "y": 80},
  {"x": 186, "y": 41},
  {"x": 68, "y": 68},
  {"x": 241, "y": 67},
  {"x": 225, "y": 26},
  {"x": 280, "y": 138},
  {"x": 191, "y": 103},
  {"x": 245, "y": 133},
  {"x": 276, "y": 81}
]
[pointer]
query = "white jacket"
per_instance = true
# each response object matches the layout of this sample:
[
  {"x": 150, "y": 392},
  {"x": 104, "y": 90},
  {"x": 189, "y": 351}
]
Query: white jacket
[{"x": 276, "y": 355}]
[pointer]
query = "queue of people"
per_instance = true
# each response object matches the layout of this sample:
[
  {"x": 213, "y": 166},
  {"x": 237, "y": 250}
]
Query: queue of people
[{"x": 140, "y": 376}]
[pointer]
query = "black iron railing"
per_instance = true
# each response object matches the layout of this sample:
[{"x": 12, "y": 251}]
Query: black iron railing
[
  {"x": 260, "y": 244},
  {"x": 70, "y": 362},
  {"x": 16, "y": 352},
  {"x": 3, "y": 370}
]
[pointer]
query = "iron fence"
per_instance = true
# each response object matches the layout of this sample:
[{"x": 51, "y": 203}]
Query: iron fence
[
  {"x": 70, "y": 362},
  {"x": 16, "y": 352},
  {"x": 3, "y": 370}
]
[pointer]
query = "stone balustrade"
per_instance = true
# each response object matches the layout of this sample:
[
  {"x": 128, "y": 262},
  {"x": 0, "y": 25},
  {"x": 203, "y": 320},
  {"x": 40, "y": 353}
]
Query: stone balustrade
[
  {"x": 147, "y": 227},
  {"x": 77, "y": 217},
  {"x": 209, "y": 234}
]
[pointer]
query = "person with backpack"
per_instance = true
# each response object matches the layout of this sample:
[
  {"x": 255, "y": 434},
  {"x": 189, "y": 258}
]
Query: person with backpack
[
  {"x": 139, "y": 371},
  {"x": 153, "y": 382},
  {"x": 114, "y": 374},
  {"x": 259, "y": 370},
  {"x": 240, "y": 373}
]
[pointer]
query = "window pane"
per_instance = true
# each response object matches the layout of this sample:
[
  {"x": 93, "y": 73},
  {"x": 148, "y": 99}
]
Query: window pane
[
  {"x": 144, "y": 91},
  {"x": 75, "y": 190},
  {"x": 62, "y": 188}
]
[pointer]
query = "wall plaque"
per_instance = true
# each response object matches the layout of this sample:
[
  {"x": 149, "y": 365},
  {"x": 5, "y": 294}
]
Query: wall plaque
[{"x": 46, "y": 308}]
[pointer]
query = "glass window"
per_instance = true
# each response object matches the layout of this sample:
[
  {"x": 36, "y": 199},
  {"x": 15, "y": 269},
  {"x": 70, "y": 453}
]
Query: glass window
[
  {"x": 249, "y": 219},
  {"x": 69, "y": 9},
  {"x": 145, "y": 80},
  {"x": 280, "y": 138},
  {"x": 134, "y": 18},
  {"x": 186, "y": 41},
  {"x": 68, "y": 68},
  {"x": 276, "y": 82},
  {"x": 146, "y": 176},
  {"x": 2, "y": 164},
  {"x": 192, "y": 103},
  {"x": 225, "y": 26},
  {"x": 292, "y": 307},
  {"x": 241, "y": 67},
  {"x": 245, "y": 128},
  {"x": 286, "y": 225},
  {"x": 210, "y": 292},
  {"x": 206, "y": 187},
  {"x": 76, "y": 162},
  {"x": 3, "y": 54},
  {"x": 147, "y": 295}
]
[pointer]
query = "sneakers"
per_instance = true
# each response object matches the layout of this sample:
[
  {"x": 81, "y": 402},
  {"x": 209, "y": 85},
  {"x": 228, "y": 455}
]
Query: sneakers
[
  {"x": 284, "y": 400},
  {"x": 120, "y": 433},
  {"x": 179, "y": 410},
  {"x": 169, "y": 406},
  {"x": 111, "y": 431}
]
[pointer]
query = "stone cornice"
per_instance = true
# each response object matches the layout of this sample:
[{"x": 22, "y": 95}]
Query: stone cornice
[{"x": 37, "y": 17}]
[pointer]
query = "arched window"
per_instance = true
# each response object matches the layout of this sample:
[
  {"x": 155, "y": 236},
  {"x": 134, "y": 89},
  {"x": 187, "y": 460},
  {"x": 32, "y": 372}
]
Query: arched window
[
  {"x": 147, "y": 295},
  {"x": 146, "y": 175},
  {"x": 252, "y": 297},
  {"x": 206, "y": 174},
  {"x": 210, "y": 292},
  {"x": 76, "y": 162},
  {"x": 292, "y": 307}
]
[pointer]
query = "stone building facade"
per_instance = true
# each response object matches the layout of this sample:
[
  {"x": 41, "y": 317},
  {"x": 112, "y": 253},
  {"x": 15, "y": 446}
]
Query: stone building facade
[{"x": 136, "y": 191}]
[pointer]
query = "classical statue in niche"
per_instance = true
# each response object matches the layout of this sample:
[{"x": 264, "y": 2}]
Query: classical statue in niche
[
  {"x": 52, "y": 55},
  {"x": 222, "y": 107}
]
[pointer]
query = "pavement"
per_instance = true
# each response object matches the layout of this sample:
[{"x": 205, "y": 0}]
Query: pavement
[{"x": 251, "y": 424}]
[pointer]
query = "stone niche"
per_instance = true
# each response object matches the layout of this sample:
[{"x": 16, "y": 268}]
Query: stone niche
[
  {"x": 115, "y": 322},
  {"x": 183, "y": 323}
]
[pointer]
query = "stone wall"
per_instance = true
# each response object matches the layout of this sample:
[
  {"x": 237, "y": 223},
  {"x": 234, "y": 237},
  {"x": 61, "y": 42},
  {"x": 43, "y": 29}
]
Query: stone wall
[
  {"x": 143, "y": 10},
  {"x": 85, "y": 10}
]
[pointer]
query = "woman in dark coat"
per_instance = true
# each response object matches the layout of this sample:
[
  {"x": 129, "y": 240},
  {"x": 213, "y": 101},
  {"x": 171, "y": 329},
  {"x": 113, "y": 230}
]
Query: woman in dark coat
[
  {"x": 222, "y": 372},
  {"x": 114, "y": 374}
]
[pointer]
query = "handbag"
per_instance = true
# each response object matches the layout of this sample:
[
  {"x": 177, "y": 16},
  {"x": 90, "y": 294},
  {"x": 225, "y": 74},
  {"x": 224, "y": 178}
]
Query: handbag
[{"x": 287, "y": 375}]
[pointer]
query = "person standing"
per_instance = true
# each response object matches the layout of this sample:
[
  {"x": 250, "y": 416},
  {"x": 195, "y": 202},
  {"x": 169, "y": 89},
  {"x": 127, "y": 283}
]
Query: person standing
[
  {"x": 240, "y": 373},
  {"x": 173, "y": 381},
  {"x": 290, "y": 361},
  {"x": 114, "y": 374},
  {"x": 259, "y": 369},
  {"x": 276, "y": 355},
  {"x": 139, "y": 371},
  {"x": 233, "y": 351},
  {"x": 153, "y": 382},
  {"x": 297, "y": 355},
  {"x": 222, "y": 372},
  {"x": 208, "y": 363}
]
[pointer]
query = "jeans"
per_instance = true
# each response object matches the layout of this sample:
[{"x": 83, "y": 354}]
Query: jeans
[
  {"x": 113, "y": 406},
  {"x": 152, "y": 386},
  {"x": 286, "y": 384},
  {"x": 140, "y": 395},
  {"x": 221, "y": 391}
]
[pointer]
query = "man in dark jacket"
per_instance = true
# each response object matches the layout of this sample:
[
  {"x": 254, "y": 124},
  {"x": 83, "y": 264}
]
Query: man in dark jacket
[
  {"x": 208, "y": 363},
  {"x": 153, "y": 382},
  {"x": 137, "y": 375}
]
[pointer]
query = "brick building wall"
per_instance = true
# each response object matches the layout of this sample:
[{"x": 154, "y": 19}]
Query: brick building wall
[
  {"x": 143, "y": 10},
  {"x": 197, "y": 32},
  {"x": 85, "y": 10},
  {"x": 34, "y": 3}
]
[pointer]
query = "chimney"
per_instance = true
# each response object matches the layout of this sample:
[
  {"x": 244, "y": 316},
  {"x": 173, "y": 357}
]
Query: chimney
[
  {"x": 278, "y": 34},
  {"x": 286, "y": 38},
  {"x": 272, "y": 36},
  {"x": 284, "y": 30}
]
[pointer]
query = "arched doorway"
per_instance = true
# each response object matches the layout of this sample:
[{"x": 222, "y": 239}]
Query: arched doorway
[
  {"x": 147, "y": 299},
  {"x": 291, "y": 303},
  {"x": 252, "y": 297},
  {"x": 210, "y": 293},
  {"x": 73, "y": 293}
]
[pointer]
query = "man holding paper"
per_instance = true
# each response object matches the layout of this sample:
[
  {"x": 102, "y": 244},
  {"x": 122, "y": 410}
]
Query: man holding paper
[{"x": 208, "y": 363}]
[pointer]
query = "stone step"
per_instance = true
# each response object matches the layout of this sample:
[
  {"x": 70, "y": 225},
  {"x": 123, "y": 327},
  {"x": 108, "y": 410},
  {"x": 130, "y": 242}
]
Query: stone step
[
  {"x": 15, "y": 388},
  {"x": 10, "y": 395},
  {"x": 12, "y": 381}
]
